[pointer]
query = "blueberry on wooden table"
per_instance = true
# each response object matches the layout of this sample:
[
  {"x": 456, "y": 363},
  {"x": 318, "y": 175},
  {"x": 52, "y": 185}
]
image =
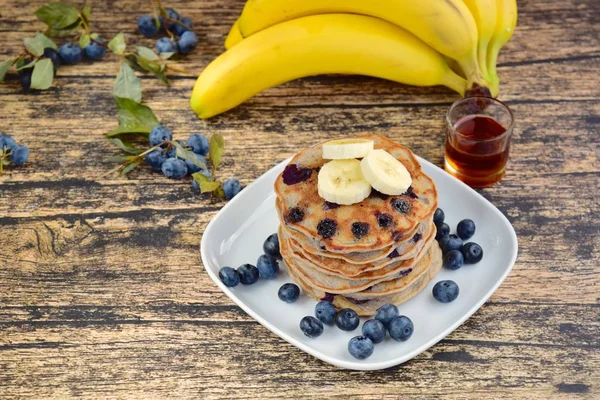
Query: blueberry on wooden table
[
  {"x": 193, "y": 167},
  {"x": 198, "y": 143},
  {"x": 159, "y": 134},
  {"x": 147, "y": 25},
  {"x": 231, "y": 188},
  {"x": 165, "y": 45},
  {"x": 155, "y": 159},
  {"x": 7, "y": 142},
  {"x": 95, "y": 50},
  {"x": 187, "y": 42},
  {"x": 174, "y": 168},
  {"x": 19, "y": 154},
  {"x": 70, "y": 53}
]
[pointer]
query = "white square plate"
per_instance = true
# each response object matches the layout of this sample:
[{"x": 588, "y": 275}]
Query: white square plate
[{"x": 236, "y": 234}]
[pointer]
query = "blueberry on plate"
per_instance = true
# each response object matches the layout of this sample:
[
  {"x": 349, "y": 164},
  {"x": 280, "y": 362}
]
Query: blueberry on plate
[
  {"x": 439, "y": 216},
  {"x": 374, "y": 330},
  {"x": 347, "y": 319},
  {"x": 159, "y": 134},
  {"x": 445, "y": 291},
  {"x": 229, "y": 276},
  {"x": 453, "y": 242},
  {"x": 401, "y": 328},
  {"x": 442, "y": 230},
  {"x": 465, "y": 229},
  {"x": 271, "y": 246},
  {"x": 248, "y": 274},
  {"x": 267, "y": 266},
  {"x": 311, "y": 326},
  {"x": 360, "y": 347},
  {"x": 386, "y": 313},
  {"x": 325, "y": 312},
  {"x": 147, "y": 25},
  {"x": 198, "y": 143},
  {"x": 19, "y": 154},
  {"x": 288, "y": 292},
  {"x": 472, "y": 253},
  {"x": 453, "y": 259},
  {"x": 174, "y": 168}
]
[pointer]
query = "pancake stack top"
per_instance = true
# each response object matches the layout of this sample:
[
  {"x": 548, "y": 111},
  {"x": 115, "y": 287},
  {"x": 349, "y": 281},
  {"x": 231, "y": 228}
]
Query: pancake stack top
[{"x": 361, "y": 256}]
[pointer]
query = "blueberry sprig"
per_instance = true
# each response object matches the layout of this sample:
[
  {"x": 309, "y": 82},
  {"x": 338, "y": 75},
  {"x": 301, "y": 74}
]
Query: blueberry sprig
[
  {"x": 180, "y": 38},
  {"x": 11, "y": 152}
]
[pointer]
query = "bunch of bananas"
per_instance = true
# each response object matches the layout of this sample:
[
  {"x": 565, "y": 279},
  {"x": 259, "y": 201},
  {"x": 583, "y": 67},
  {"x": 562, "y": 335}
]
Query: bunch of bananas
[{"x": 454, "y": 43}]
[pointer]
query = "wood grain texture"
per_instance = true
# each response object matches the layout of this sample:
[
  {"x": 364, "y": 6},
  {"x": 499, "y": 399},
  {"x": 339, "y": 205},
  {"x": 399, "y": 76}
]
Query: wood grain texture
[{"x": 102, "y": 293}]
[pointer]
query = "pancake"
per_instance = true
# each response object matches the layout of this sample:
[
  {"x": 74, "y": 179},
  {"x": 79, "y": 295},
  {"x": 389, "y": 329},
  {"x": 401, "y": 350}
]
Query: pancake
[
  {"x": 336, "y": 266},
  {"x": 299, "y": 196}
]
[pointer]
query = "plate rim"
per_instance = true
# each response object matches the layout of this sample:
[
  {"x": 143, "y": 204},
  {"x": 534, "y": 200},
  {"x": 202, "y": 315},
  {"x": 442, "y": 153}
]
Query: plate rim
[{"x": 357, "y": 365}]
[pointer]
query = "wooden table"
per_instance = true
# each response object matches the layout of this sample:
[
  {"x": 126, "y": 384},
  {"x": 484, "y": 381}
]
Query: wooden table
[{"x": 102, "y": 293}]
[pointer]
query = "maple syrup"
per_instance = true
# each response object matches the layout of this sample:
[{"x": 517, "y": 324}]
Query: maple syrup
[{"x": 477, "y": 145}]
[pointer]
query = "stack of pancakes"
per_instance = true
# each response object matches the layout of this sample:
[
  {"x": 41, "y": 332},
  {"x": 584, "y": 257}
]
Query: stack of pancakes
[{"x": 361, "y": 256}]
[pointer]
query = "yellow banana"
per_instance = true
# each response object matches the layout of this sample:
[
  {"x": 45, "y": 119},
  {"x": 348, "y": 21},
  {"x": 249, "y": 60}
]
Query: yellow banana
[
  {"x": 319, "y": 44},
  {"x": 484, "y": 12},
  {"x": 445, "y": 25},
  {"x": 234, "y": 36},
  {"x": 505, "y": 27}
]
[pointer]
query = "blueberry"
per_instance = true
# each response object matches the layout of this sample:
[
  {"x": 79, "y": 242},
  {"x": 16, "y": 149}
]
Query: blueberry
[
  {"x": 267, "y": 266},
  {"x": 229, "y": 276},
  {"x": 271, "y": 246},
  {"x": 326, "y": 228},
  {"x": 325, "y": 312},
  {"x": 359, "y": 229},
  {"x": 70, "y": 53},
  {"x": 465, "y": 229},
  {"x": 439, "y": 216},
  {"x": 296, "y": 215},
  {"x": 231, "y": 187},
  {"x": 248, "y": 274},
  {"x": 95, "y": 50},
  {"x": 184, "y": 25},
  {"x": 445, "y": 291},
  {"x": 453, "y": 259},
  {"x": 293, "y": 174},
  {"x": 374, "y": 330},
  {"x": 25, "y": 79},
  {"x": 403, "y": 206},
  {"x": 187, "y": 42},
  {"x": 192, "y": 168},
  {"x": 147, "y": 25},
  {"x": 53, "y": 56},
  {"x": 442, "y": 230},
  {"x": 386, "y": 313},
  {"x": 19, "y": 154},
  {"x": 155, "y": 159},
  {"x": 311, "y": 326},
  {"x": 384, "y": 220},
  {"x": 165, "y": 45},
  {"x": 472, "y": 253},
  {"x": 347, "y": 319},
  {"x": 7, "y": 141},
  {"x": 198, "y": 143},
  {"x": 360, "y": 347},
  {"x": 159, "y": 134},
  {"x": 401, "y": 328},
  {"x": 172, "y": 14},
  {"x": 288, "y": 292},
  {"x": 174, "y": 168},
  {"x": 452, "y": 242}
]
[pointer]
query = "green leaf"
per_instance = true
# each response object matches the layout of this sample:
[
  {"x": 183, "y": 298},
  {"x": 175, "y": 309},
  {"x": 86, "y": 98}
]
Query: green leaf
[
  {"x": 141, "y": 131},
  {"x": 5, "y": 66},
  {"x": 206, "y": 187},
  {"x": 57, "y": 15},
  {"x": 117, "y": 44},
  {"x": 219, "y": 192},
  {"x": 46, "y": 41},
  {"x": 154, "y": 67},
  {"x": 166, "y": 56},
  {"x": 86, "y": 12},
  {"x": 35, "y": 46},
  {"x": 94, "y": 36},
  {"x": 84, "y": 40},
  {"x": 135, "y": 115},
  {"x": 42, "y": 76},
  {"x": 28, "y": 65},
  {"x": 200, "y": 177},
  {"x": 126, "y": 146},
  {"x": 5, "y": 161},
  {"x": 65, "y": 31},
  {"x": 130, "y": 168},
  {"x": 127, "y": 85},
  {"x": 216, "y": 149},
  {"x": 147, "y": 53},
  {"x": 188, "y": 155}
]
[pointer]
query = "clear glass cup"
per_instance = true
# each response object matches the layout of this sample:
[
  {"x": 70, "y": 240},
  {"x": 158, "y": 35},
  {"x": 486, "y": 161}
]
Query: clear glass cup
[{"x": 478, "y": 132}]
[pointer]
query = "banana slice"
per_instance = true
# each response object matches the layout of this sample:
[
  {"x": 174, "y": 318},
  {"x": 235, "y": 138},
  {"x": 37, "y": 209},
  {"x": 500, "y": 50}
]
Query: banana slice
[
  {"x": 342, "y": 182},
  {"x": 342, "y": 149},
  {"x": 386, "y": 174}
]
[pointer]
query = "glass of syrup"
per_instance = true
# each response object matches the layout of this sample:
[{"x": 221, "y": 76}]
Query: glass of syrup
[{"x": 478, "y": 132}]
